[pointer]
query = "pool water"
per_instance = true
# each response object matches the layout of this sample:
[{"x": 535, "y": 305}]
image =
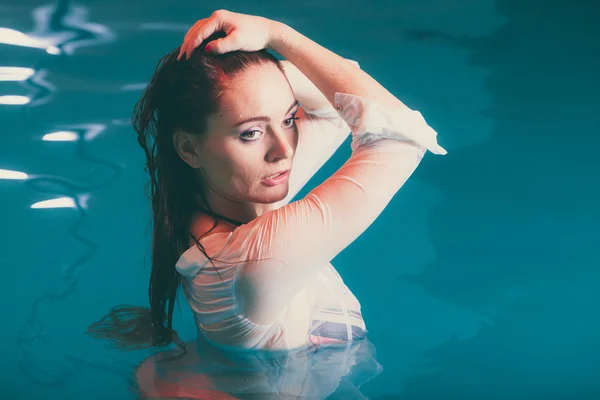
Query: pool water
[{"x": 491, "y": 252}]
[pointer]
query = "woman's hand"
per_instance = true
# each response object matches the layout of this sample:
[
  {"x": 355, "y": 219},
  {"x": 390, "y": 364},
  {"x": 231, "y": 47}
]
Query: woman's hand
[{"x": 243, "y": 32}]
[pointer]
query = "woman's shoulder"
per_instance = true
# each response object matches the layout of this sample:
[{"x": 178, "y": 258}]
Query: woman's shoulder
[
  {"x": 212, "y": 238},
  {"x": 203, "y": 225}
]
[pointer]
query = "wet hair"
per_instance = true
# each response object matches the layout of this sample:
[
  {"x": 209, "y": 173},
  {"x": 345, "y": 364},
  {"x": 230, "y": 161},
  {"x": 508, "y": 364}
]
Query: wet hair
[{"x": 180, "y": 97}]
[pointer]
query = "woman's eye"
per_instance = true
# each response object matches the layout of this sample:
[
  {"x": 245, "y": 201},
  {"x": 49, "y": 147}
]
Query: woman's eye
[
  {"x": 250, "y": 136},
  {"x": 248, "y": 133},
  {"x": 292, "y": 123}
]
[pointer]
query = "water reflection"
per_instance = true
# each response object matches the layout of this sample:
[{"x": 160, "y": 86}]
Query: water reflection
[
  {"x": 10, "y": 174},
  {"x": 15, "y": 73},
  {"x": 17, "y": 38},
  {"x": 205, "y": 371},
  {"x": 15, "y": 100},
  {"x": 61, "y": 136},
  {"x": 59, "y": 28},
  {"x": 43, "y": 361},
  {"x": 61, "y": 202}
]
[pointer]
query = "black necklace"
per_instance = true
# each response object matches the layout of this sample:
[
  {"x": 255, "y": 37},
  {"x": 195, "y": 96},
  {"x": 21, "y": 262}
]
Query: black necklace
[{"x": 215, "y": 215}]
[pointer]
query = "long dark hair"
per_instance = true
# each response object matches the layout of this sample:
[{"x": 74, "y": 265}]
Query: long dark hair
[{"x": 180, "y": 96}]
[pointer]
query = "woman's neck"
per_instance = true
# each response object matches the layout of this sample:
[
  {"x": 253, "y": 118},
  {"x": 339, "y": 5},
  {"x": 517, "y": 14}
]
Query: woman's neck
[{"x": 232, "y": 212}]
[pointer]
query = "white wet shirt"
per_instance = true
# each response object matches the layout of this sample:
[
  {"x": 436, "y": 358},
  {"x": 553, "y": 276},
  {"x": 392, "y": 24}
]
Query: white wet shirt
[{"x": 273, "y": 286}]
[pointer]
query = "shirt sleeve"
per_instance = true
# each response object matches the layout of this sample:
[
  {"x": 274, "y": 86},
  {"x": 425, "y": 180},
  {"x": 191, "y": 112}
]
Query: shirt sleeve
[
  {"x": 284, "y": 248},
  {"x": 320, "y": 134}
]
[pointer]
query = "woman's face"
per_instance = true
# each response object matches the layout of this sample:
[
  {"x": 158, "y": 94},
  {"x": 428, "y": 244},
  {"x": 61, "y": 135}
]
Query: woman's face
[{"x": 236, "y": 153}]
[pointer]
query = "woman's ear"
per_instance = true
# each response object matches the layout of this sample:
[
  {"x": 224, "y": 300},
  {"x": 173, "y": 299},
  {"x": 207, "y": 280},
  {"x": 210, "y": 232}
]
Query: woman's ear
[{"x": 186, "y": 145}]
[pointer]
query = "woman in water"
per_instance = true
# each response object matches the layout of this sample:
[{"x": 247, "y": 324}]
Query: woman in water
[{"x": 231, "y": 135}]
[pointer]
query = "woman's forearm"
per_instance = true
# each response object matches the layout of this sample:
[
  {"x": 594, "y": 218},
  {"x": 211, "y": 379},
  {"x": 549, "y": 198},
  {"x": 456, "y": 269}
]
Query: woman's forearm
[
  {"x": 329, "y": 72},
  {"x": 305, "y": 91}
]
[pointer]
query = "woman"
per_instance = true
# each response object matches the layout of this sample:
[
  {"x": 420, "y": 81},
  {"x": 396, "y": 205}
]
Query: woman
[{"x": 231, "y": 135}]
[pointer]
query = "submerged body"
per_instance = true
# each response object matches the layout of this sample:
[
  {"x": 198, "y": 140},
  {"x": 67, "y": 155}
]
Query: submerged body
[
  {"x": 310, "y": 340},
  {"x": 289, "y": 294}
]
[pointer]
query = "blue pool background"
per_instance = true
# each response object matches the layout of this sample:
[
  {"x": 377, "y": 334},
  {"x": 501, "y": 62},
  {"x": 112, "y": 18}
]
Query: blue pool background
[{"x": 490, "y": 254}]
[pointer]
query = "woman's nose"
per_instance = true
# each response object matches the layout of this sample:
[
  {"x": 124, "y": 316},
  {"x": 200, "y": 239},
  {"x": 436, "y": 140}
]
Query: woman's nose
[{"x": 283, "y": 145}]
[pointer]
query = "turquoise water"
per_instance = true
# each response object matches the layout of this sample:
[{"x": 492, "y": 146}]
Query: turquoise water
[{"x": 493, "y": 274}]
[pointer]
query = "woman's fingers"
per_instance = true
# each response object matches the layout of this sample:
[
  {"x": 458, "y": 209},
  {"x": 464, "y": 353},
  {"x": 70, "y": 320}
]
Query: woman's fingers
[
  {"x": 190, "y": 38},
  {"x": 186, "y": 38},
  {"x": 199, "y": 32},
  {"x": 186, "y": 48},
  {"x": 242, "y": 32}
]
